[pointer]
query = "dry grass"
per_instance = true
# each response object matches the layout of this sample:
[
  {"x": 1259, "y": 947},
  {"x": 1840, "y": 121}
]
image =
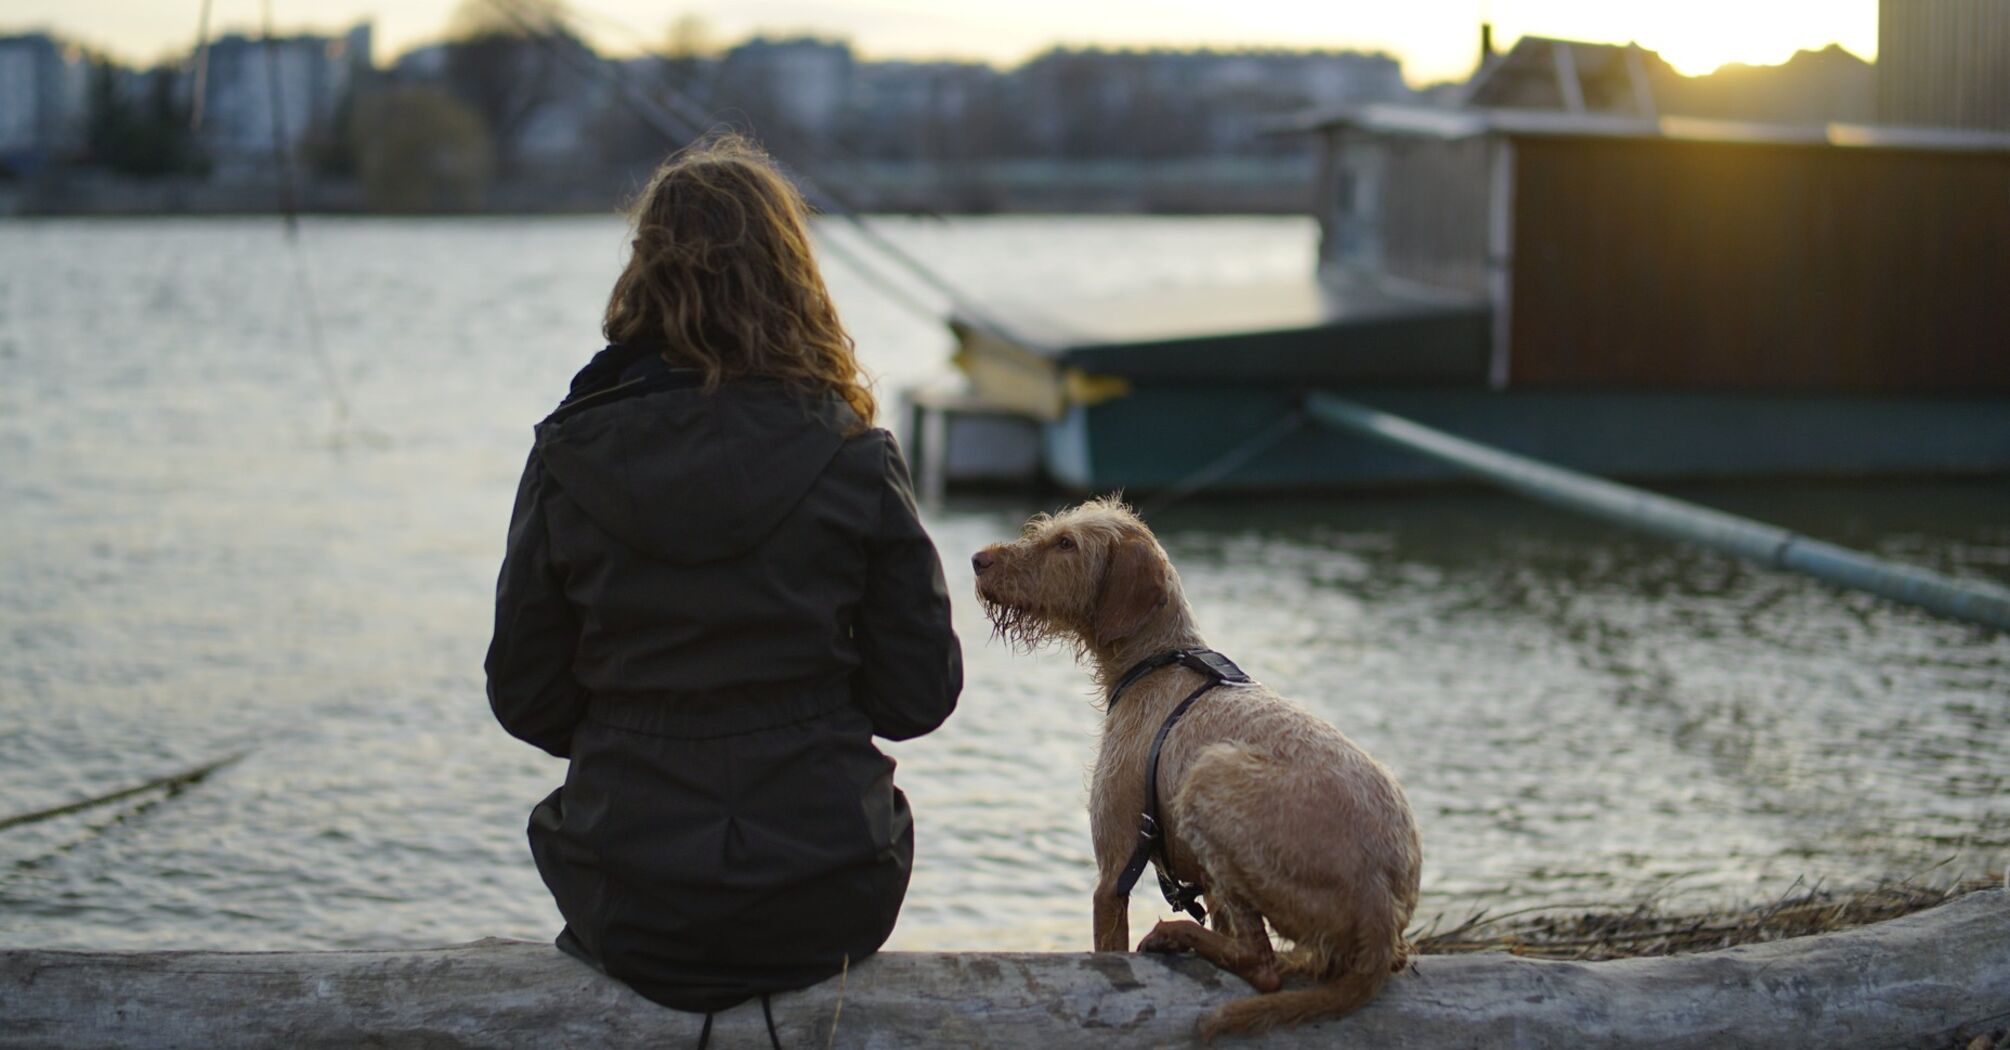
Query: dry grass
[{"x": 1644, "y": 930}]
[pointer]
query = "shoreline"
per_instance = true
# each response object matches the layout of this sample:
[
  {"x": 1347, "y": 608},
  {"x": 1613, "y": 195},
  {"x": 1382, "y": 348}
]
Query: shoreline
[{"x": 1181, "y": 186}]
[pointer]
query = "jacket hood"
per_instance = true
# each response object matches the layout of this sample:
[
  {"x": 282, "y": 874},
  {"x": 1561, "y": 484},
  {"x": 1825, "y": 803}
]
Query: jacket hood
[{"x": 689, "y": 476}]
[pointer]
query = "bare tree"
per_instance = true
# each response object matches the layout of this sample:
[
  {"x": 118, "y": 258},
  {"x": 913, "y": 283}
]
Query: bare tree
[{"x": 501, "y": 63}]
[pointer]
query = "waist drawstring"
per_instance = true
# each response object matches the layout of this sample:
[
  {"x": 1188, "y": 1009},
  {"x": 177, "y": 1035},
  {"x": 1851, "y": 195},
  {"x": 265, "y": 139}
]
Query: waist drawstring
[{"x": 767, "y": 1014}]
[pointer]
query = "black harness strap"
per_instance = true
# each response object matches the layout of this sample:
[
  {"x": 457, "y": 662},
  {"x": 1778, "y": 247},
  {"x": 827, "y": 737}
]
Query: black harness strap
[
  {"x": 1142, "y": 668},
  {"x": 1151, "y": 848}
]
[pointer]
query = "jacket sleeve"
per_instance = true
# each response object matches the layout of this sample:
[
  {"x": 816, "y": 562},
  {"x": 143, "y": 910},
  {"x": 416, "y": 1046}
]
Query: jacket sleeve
[
  {"x": 530, "y": 683},
  {"x": 911, "y": 667}
]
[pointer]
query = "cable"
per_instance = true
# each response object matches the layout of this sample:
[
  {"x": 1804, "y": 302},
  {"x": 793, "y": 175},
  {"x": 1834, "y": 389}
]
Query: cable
[
  {"x": 289, "y": 207},
  {"x": 641, "y": 42},
  {"x": 681, "y": 120},
  {"x": 694, "y": 116},
  {"x": 1221, "y": 466},
  {"x": 199, "y": 76},
  {"x": 677, "y": 128},
  {"x": 680, "y": 126}
]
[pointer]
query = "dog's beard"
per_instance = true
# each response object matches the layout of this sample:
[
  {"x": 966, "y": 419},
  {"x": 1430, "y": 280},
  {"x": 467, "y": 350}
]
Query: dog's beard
[{"x": 1019, "y": 627}]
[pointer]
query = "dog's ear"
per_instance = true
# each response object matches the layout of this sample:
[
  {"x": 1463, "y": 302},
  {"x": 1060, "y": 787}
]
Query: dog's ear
[{"x": 1134, "y": 587}]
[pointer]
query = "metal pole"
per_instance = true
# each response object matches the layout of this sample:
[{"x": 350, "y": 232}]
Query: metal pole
[{"x": 1768, "y": 545}]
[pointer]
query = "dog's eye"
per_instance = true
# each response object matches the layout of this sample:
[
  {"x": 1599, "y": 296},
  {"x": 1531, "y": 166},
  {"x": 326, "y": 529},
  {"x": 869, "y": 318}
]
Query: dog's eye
[{"x": 1066, "y": 543}]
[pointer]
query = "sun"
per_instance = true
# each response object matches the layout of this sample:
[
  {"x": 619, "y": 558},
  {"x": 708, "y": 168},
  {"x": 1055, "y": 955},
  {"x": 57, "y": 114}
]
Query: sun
[
  {"x": 1699, "y": 36},
  {"x": 1764, "y": 34}
]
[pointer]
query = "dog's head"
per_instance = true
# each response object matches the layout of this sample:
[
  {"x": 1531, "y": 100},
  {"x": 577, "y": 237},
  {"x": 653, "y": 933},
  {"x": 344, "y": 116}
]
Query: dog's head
[{"x": 1092, "y": 574}]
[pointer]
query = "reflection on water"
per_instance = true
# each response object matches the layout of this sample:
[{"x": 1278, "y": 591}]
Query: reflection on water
[{"x": 197, "y": 557}]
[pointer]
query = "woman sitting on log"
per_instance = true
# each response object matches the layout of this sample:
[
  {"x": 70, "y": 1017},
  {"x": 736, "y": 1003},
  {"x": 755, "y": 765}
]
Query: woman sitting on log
[{"x": 716, "y": 592}]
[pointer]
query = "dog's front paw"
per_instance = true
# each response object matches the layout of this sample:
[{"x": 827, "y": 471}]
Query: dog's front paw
[{"x": 1169, "y": 937}]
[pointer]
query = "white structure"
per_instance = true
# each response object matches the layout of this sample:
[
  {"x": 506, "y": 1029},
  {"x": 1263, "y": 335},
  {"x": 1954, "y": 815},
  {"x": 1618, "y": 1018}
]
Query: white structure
[
  {"x": 44, "y": 100},
  {"x": 805, "y": 81},
  {"x": 305, "y": 78}
]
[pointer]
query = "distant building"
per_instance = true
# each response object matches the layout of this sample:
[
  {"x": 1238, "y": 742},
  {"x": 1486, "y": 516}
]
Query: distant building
[
  {"x": 286, "y": 91},
  {"x": 358, "y": 48},
  {"x": 1159, "y": 103},
  {"x": 428, "y": 63},
  {"x": 803, "y": 82},
  {"x": 559, "y": 132},
  {"x": 44, "y": 91},
  {"x": 1234, "y": 90},
  {"x": 546, "y": 102},
  {"x": 1336, "y": 78},
  {"x": 917, "y": 110},
  {"x": 1944, "y": 63}
]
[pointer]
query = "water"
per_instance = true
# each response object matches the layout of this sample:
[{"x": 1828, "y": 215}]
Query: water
[{"x": 197, "y": 556}]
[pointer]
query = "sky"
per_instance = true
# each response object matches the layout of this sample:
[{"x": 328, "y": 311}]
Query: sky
[{"x": 1436, "y": 39}]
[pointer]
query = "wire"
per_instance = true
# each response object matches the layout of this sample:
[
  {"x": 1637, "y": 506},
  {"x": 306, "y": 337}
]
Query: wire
[
  {"x": 1221, "y": 466},
  {"x": 681, "y": 127},
  {"x": 643, "y": 44},
  {"x": 679, "y": 119},
  {"x": 684, "y": 124},
  {"x": 290, "y": 208},
  {"x": 200, "y": 75},
  {"x": 695, "y": 116}
]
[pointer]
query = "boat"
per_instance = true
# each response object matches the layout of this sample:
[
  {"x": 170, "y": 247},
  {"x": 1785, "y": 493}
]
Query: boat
[
  {"x": 1932, "y": 979},
  {"x": 1656, "y": 298}
]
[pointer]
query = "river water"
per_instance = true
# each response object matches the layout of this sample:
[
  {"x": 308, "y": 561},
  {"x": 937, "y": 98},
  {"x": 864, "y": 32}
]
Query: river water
[{"x": 213, "y": 541}]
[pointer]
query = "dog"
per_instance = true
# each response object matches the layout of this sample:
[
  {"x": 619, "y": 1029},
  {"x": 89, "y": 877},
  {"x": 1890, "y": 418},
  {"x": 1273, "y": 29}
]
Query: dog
[{"x": 1272, "y": 812}]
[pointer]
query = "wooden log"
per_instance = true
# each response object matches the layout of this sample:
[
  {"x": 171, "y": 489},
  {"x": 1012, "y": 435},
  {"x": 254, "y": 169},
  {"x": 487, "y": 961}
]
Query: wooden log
[{"x": 1918, "y": 981}]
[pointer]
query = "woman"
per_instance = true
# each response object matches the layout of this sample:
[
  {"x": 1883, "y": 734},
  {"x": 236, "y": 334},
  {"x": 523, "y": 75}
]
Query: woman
[{"x": 716, "y": 593}]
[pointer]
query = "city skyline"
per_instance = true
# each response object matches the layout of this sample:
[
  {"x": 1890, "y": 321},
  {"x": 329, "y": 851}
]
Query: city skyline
[{"x": 1436, "y": 40}]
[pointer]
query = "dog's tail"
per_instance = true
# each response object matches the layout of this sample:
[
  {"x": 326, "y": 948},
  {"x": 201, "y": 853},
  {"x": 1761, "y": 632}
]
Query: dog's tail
[
  {"x": 1341, "y": 994},
  {"x": 1261, "y": 1013}
]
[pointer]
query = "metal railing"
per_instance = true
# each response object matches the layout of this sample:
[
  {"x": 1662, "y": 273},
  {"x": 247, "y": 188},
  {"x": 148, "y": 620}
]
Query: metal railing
[{"x": 1775, "y": 548}]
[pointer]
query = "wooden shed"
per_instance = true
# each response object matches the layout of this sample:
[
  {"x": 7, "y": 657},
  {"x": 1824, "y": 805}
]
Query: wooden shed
[{"x": 1673, "y": 253}]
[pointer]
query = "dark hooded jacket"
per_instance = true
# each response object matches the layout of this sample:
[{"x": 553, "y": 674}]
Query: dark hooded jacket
[{"x": 711, "y": 602}]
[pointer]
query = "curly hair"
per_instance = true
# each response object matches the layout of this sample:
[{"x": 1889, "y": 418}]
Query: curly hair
[{"x": 722, "y": 274}]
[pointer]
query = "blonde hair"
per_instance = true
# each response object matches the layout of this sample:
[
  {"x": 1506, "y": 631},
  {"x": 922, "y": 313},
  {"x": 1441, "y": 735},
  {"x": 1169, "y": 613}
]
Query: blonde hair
[{"x": 723, "y": 275}]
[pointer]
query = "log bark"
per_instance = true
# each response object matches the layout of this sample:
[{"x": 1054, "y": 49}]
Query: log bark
[{"x": 1922, "y": 980}]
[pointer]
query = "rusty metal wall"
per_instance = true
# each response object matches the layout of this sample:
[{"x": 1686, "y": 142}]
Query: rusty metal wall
[
  {"x": 1944, "y": 63},
  {"x": 1676, "y": 264}
]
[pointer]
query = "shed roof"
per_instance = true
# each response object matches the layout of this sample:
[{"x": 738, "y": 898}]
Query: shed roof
[
  {"x": 1608, "y": 78},
  {"x": 1440, "y": 123}
]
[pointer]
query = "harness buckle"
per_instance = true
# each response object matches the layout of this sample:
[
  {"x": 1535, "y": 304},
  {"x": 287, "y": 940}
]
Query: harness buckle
[
  {"x": 1183, "y": 896},
  {"x": 1215, "y": 666}
]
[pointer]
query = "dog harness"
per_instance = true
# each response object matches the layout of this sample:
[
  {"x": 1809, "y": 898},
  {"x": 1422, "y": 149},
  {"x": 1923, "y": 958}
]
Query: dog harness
[{"x": 1151, "y": 848}]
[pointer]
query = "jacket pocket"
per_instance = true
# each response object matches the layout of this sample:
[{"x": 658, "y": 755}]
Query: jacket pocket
[
  {"x": 571, "y": 871},
  {"x": 869, "y": 775}
]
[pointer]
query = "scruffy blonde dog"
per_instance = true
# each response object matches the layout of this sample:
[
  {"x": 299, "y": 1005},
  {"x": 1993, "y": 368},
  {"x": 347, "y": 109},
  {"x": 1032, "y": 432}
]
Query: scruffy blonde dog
[{"x": 1272, "y": 811}]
